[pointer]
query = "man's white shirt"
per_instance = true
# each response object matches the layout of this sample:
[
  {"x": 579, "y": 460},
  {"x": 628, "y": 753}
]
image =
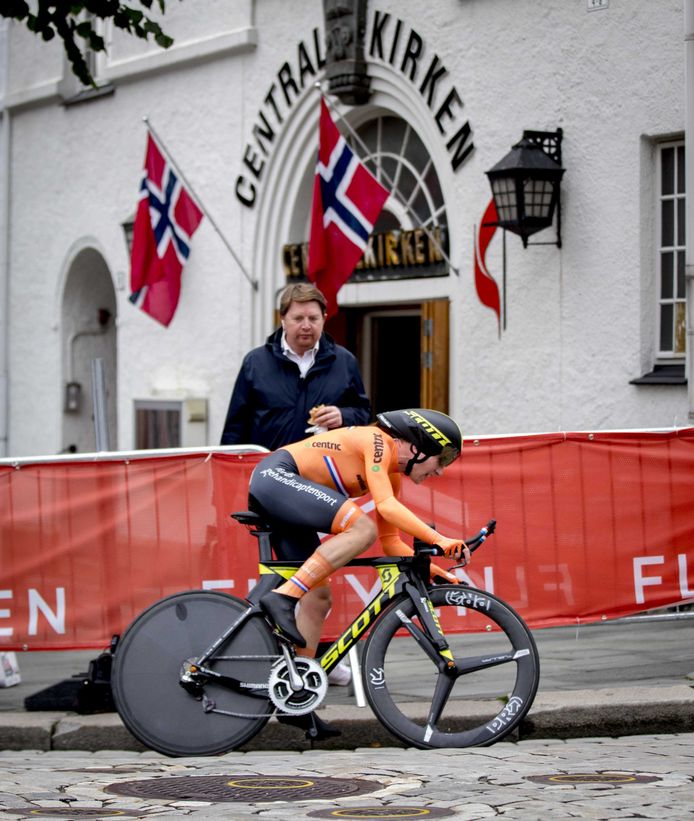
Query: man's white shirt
[{"x": 304, "y": 361}]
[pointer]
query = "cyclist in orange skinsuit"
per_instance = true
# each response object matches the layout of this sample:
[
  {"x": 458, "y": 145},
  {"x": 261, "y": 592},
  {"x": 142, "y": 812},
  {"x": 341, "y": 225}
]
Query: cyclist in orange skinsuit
[
  {"x": 308, "y": 487},
  {"x": 356, "y": 461}
]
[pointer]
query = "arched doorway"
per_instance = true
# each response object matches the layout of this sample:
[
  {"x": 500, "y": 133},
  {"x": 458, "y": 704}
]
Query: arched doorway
[
  {"x": 378, "y": 306},
  {"x": 88, "y": 325}
]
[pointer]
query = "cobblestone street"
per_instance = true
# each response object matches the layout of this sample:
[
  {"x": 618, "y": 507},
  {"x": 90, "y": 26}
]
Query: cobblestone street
[{"x": 629, "y": 777}]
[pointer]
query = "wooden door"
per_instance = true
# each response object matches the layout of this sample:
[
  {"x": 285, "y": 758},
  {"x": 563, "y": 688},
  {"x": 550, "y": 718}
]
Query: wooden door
[{"x": 435, "y": 364}]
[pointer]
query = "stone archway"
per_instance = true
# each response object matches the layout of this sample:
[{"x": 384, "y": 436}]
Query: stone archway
[
  {"x": 88, "y": 332},
  {"x": 285, "y": 202},
  {"x": 394, "y": 133}
]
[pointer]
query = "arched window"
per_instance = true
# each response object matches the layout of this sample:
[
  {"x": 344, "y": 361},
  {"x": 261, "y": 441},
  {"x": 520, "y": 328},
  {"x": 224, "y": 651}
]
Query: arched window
[
  {"x": 393, "y": 151},
  {"x": 399, "y": 159}
]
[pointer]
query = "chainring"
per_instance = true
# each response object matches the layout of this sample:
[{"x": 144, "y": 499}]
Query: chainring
[{"x": 312, "y": 694}]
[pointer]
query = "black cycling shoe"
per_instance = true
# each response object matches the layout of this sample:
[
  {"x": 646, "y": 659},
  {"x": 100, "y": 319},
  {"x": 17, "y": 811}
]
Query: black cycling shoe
[
  {"x": 281, "y": 608},
  {"x": 316, "y": 728}
]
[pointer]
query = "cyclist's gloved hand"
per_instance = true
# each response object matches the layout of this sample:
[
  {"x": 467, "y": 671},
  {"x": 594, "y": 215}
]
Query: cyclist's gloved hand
[
  {"x": 441, "y": 576},
  {"x": 454, "y": 549}
]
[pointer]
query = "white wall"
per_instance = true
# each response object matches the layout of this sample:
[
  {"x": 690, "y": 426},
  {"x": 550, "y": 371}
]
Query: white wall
[
  {"x": 4, "y": 228},
  {"x": 580, "y": 319},
  {"x": 76, "y": 174},
  {"x": 574, "y": 316}
]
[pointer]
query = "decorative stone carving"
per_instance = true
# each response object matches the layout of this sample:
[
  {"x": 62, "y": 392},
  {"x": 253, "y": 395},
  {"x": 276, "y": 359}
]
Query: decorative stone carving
[{"x": 345, "y": 66}]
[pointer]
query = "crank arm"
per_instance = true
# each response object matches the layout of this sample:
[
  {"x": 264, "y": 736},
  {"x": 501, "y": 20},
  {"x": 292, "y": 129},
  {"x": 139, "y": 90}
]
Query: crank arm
[{"x": 295, "y": 680}]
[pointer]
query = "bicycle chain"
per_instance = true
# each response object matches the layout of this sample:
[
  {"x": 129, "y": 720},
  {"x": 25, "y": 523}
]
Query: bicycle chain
[
  {"x": 206, "y": 702},
  {"x": 281, "y": 695}
]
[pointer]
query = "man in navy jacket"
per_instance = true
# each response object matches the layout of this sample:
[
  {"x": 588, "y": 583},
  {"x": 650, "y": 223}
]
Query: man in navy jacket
[{"x": 299, "y": 367}]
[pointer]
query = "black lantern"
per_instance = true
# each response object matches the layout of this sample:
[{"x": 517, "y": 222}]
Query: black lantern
[{"x": 525, "y": 185}]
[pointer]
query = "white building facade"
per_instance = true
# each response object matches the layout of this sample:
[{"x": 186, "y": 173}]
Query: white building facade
[{"x": 592, "y": 333}]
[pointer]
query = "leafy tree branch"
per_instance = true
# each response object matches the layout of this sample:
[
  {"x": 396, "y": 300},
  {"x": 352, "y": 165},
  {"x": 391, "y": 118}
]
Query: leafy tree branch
[{"x": 74, "y": 22}]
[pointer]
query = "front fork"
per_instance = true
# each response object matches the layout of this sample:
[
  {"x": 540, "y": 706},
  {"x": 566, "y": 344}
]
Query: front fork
[
  {"x": 431, "y": 638},
  {"x": 433, "y": 642}
]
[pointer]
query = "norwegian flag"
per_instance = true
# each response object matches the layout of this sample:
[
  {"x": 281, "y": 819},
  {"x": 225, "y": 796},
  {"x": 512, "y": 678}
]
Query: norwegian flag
[
  {"x": 167, "y": 217},
  {"x": 347, "y": 200}
]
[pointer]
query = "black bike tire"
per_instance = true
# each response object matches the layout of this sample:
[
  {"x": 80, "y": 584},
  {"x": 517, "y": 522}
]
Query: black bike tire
[
  {"x": 146, "y": 671},
  {"x": 412, "y": 730}
]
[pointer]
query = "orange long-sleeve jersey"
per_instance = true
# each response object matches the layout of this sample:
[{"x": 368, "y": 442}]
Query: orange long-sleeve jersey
[{"x": 361, "y": 460}]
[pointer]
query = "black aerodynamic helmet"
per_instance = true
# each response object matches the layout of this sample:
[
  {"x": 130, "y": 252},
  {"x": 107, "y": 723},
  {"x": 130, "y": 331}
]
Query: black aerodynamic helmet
[{"x": 430, "y": 432}]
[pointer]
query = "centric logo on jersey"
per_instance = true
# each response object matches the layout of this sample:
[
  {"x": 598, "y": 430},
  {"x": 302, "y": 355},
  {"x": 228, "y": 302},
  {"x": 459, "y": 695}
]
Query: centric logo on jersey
[{"x": 379, "y": 447}]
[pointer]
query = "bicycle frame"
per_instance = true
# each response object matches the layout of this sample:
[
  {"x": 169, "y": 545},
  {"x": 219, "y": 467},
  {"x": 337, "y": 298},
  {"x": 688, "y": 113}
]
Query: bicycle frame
[{"x": 399, "y": 575}]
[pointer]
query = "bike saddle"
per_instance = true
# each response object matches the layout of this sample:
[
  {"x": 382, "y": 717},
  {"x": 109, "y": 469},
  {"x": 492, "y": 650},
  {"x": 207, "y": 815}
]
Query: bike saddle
[{"x": 251, "y": 519}]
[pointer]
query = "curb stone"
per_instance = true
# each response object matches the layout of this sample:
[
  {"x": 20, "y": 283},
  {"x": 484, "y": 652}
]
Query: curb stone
[{"x": 607, "y": 712}]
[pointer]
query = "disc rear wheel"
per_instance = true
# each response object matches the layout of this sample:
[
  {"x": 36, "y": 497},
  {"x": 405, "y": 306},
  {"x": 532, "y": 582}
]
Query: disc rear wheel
[{"x": 149, "y": 660}]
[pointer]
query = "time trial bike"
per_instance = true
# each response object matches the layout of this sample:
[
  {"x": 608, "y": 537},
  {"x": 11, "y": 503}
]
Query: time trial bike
[{"x": 202, "y": 672}]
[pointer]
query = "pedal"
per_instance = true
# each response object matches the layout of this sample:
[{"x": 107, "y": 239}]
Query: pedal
[{"x": 315, "y": 729}]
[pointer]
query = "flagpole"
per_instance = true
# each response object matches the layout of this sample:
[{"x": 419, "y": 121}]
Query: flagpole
[
  {"x": 504, "y": 273},
  {"x": 390, "y": 182},
  {"x": 198, "y": 201}
]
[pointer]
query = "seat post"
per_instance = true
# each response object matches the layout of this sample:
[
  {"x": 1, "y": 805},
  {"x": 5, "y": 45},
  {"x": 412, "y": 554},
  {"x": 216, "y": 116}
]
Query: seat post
[
  {"x": 261, "y": 530},
  {"x": 264, "y": 546}
]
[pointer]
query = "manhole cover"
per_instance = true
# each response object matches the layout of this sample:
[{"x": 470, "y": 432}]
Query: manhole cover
[
  {"x": 615, "y": 779},
  {"x": 385, "y": 811},
  {"x": 243, "y": 788}
]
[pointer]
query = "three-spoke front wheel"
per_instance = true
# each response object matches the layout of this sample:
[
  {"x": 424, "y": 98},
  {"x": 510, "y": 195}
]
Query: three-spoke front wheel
[{"x": 428, "y": 704}]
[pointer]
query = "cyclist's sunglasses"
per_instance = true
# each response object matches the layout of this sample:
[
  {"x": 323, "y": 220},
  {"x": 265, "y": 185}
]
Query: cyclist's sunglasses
[{"x": 448, "y": 454}]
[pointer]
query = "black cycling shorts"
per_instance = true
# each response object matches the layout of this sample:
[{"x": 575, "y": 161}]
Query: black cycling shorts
[{"x": 297, "y": 507}]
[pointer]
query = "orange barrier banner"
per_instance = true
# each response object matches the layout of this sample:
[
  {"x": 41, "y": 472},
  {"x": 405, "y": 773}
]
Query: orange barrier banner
[{"x": 590, "y": 526}]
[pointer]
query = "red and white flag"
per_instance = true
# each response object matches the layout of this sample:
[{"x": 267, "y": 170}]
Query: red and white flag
[
  {"x": 167, "y": 217},
  {"x": 487, "y": 289},
  {"x": 347, "y": 200}
]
